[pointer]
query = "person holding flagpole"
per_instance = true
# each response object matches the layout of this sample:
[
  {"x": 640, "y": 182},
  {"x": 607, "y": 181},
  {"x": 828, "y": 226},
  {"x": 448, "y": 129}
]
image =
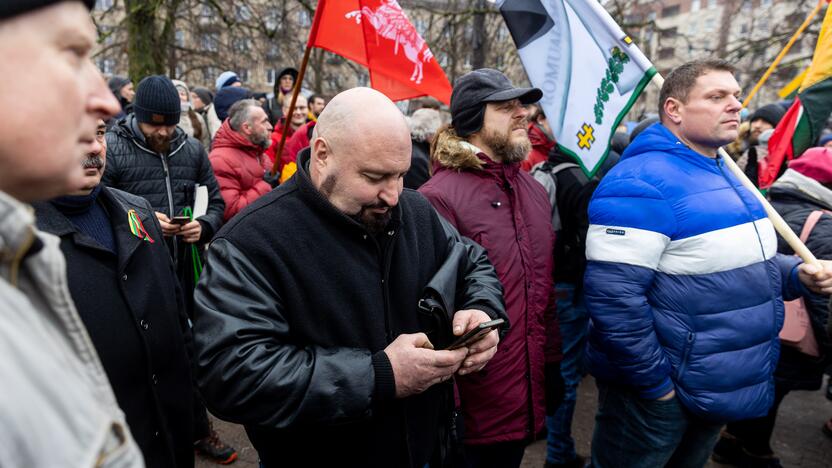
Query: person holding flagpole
[{"x": 683, "y": 285}]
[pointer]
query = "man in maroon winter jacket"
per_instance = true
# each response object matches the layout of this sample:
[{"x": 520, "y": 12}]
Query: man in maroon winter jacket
[
  {"x": 478, "y": 186},
  {"x": 237, "y": 156}
]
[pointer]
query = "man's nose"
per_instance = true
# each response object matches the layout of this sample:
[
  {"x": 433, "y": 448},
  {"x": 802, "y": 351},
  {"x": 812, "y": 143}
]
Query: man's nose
[{"x": 390, "y": 193}]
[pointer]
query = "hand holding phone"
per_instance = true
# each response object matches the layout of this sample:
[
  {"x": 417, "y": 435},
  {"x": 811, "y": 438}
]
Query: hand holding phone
[
  {"x": 180, "y": 220},
  {"x": 477, "y": 333}
]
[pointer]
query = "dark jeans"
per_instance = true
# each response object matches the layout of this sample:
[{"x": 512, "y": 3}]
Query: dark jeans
[
  {"x": 755, "y": 434},
  {"x": 574, "y": 328},
  {"x": 631, "y": 432},
  {"x": 500, "y": 455}
]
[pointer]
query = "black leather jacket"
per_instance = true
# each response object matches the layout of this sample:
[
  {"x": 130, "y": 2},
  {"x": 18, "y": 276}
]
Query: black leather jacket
[{"x": 292, "y": 320}]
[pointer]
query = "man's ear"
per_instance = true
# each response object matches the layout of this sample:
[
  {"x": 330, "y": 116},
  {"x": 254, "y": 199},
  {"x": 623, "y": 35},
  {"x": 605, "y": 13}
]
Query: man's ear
[
  {"x": 320, "y": 151},
  {"x": 672, "y": 108}
]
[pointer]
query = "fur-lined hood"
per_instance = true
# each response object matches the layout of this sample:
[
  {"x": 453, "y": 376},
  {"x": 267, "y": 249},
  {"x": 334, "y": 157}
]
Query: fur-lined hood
[{"x": 452, "y": 152}]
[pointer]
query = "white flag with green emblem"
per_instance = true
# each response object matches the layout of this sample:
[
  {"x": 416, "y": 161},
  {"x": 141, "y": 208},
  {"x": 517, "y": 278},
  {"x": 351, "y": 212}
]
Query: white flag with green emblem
[{"x": 590, "y": 71}]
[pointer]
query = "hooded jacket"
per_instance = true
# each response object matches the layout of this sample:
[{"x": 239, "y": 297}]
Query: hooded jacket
[
  {"x": 507, "y": 212},
  {"x": 541, "y": 146},
  {"x": 684, "y": 285},
  {"x": 58, "y": 408},
  {"x": 795, "y": 196},
  {"x": 292, "y": 321},
  {"x": 239, "y": 166}
]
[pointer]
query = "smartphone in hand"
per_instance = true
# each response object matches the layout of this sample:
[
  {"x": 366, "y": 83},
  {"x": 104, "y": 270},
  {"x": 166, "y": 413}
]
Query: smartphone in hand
[
  {"x": 477, "y": 333},
  {"x": 180, "y": 220}
]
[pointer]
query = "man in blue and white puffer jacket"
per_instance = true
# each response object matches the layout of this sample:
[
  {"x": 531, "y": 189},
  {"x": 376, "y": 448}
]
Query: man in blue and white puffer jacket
[{"x": 683, "y": 284}]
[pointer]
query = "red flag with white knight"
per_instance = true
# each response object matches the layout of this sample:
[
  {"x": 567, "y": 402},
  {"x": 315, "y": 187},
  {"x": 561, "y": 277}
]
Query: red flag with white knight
[{"x": 378, "y": 35}]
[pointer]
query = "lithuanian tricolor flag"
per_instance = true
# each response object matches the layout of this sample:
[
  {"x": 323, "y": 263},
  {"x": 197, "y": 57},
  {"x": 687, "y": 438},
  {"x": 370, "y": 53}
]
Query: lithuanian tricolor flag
[{"x": 800, "y": 128}]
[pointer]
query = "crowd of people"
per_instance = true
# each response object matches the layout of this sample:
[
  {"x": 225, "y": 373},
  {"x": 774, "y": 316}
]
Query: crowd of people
[{"x": 359, "y": 287}]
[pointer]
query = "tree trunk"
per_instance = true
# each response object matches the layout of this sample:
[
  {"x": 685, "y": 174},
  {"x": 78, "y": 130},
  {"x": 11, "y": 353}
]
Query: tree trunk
[
  {"x": 479, "y": 44},
  {"x": 145, "y": 53}
]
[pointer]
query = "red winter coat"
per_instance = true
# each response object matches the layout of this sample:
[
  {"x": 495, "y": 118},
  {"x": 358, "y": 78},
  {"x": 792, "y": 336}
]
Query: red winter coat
[
  {"x": 239, "y": 166},
  {"x": 508, "y": 212},
  {"x": 298, "y": 141},
  {"x": 276, "y": 133},
  {"x": 541, "y": 145}
]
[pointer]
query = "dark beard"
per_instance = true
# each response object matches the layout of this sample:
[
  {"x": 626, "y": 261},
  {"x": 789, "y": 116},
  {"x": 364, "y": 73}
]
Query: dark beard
[
  {"x": 503, "y": 147},
  {"x": 158, "y": 144},
  {"x": 372, "y": 222},
  {"x": 262, "y": 141}
]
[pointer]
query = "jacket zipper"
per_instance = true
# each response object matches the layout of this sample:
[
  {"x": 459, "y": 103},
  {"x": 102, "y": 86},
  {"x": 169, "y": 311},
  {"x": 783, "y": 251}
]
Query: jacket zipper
[
  {"x": 683, "y": 366},
  {"x": 169, "y": 189}
]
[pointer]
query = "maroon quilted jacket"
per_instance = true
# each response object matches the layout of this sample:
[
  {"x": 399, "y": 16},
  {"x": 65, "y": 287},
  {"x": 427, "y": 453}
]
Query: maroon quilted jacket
[{"x": 506, "y": 211}]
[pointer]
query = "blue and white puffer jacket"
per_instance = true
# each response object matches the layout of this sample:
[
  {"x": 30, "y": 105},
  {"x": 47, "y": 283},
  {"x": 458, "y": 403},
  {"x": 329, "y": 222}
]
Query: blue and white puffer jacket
[{"x": 683, "y": 284}]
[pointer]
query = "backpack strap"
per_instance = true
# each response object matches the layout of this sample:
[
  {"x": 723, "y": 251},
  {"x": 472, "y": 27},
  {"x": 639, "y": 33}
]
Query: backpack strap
[
  {"x": 561, "y": 167},
  {"x": 810, "y": 223}
]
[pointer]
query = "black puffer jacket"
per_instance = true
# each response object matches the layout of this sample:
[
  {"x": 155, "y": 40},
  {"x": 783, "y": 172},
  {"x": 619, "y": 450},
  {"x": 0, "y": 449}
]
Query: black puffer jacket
[
  {"x": 574, "y": 190},
  {"x": 166, "y": 182},
  {"x": 795, "y": 197},
  {"x": 292, "y": 320}
]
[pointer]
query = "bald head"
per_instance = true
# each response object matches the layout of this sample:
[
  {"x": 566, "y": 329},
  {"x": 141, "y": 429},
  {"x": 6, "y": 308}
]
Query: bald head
[
  {"x": 360, "y": 116},
  {"x": 360, "y": 153}
]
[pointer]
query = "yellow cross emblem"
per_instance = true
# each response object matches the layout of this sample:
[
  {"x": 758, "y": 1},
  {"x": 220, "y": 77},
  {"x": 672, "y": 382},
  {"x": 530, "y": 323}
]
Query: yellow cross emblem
[{"x": 586, "y": 137}]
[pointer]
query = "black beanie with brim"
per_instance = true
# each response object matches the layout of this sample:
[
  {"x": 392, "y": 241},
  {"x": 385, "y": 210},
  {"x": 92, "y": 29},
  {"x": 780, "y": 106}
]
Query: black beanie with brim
[{"x": 10, "y": 8}]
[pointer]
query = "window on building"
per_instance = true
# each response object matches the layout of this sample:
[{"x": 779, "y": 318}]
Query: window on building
[
  {"x": 103, "y": 5},
  {"x": 270, "y": 75},
  {"x": 241, "y": 45},
  {"x": 762, "y": 25},
  {"x": 242, "y": 13},
  {"x": 243, "y": 74},
  {"x": 670, "y": 11},
  {"x": 651, "y": 16},
  {"x": 106, "y": 34},
  {"x": 421, "y": 26},
  {"x": 670, "y": 33},
  {"x": 272, "y": 20},
  {"x": 210, "y": 42},
  {"x": 710, "y": 24},
  {"x": 179, "y": 38},
  {"x": 210, "y": 74},
  {"x": 179, "y": 72},
  {"x": 666, "y": 53},
  {"x": 304, "y": 21},
  {"x": 272, "y": 51},
  {"x": 765, "y": 3},
  {"x": 711, "y": 4},
  {"x": 744, "y": 28},
  {"x": 695, "y": 5},
  {"x": 107, "y": 66}
]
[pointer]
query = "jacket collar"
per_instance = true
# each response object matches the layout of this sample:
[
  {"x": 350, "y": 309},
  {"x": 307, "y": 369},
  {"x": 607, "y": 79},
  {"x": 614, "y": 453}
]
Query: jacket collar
[
  {"x": 800, "y": 186},
  {"x": 454, "y": 153},
  {"x": 317, "y": 201},
  {"x": 17, "y": 235},
  {"x": 53, "y": 221},
  {"x": 129, "y": 128},
  {"x": 227, "y": 137}
]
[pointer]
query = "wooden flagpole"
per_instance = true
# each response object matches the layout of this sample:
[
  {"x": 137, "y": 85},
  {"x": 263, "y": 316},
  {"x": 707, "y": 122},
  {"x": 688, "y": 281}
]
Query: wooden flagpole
[
  {"x": 783, "y": 52},
  {"x": 298, "y": 84},
  {"x": 780, "y": 225}
]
